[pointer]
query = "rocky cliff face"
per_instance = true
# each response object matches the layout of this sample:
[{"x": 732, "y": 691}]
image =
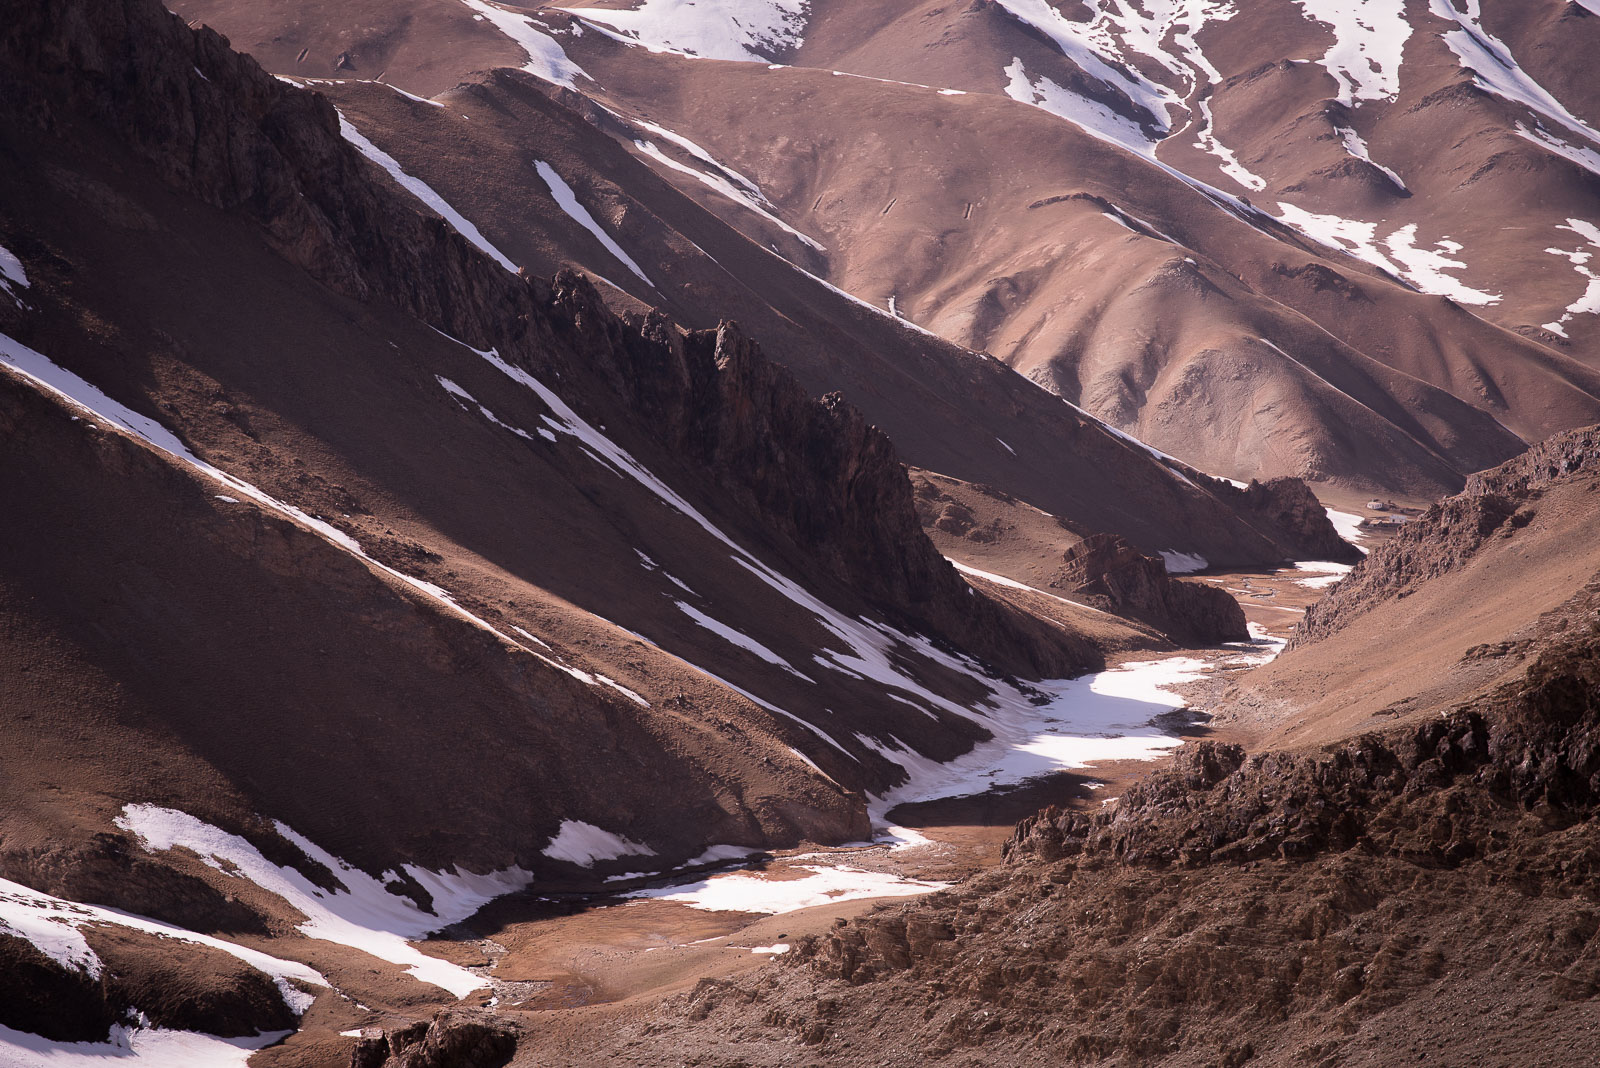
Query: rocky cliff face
[
  {"x": 1112, "y": 575},
  {"x": 1494, "y": 502},
  {"x": 819, "y": 478}
]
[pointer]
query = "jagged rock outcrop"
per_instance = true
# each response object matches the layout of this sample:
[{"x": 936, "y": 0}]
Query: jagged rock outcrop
[
  {"x": 1495, "y": 502},
  {"x": 452, "y": 1039},
  {"x": 1543, "y": 463},
  {"x": 1113, "y": 575},
  {"x": 1287, "y": 511}
]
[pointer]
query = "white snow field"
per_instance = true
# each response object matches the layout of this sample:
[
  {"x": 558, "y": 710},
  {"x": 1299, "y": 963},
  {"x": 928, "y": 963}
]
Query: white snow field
[
  {"x": 749, "y": 31},
  {"x": 748, "y": 892}
]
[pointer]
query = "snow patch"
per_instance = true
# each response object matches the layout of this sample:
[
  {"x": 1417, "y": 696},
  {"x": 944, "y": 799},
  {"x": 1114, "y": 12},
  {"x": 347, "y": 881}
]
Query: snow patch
[
  {"x": 363, "y": 915},
  {"x": 462, "y": 395},
  {"x": 584, "y": 844},
  {"x": 52, "y": 925},
  {"x": 1324, "y": 573},
  {"x": 154, "y": 1046},
  {"x": 737, "y": 637},
  {"x": 1357, "y": 147},
  {"x": 750, "y": 892},
  {"x": 743, "y": 31},
  {"x": 1588, "y": 302},
  {"x": 1208, "y": 141},
  {"x": 1422, "y": 267},
  {"x": 1091, "y": 48},
  {"x": 1425, "y": 268},
  {"x": 1369, "y": 40},
  {"x": 1179, "y": 563},
  {"x": 422, "y": 191},
  {"x": 751, "y": 201},
  {"x": 545, "y": 56},
  {"x": 1014, "y": 584},
  {"x": 568, "y": 202},
  {"x": 1348, "y": 527},
  {"x": 1497, "y": 71},
  {"x": 11, "y": 272}
]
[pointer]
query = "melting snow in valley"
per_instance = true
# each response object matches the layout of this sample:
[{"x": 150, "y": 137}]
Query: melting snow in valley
[
  {"x": 1079, "y": 723},
  {"x": 1348, "y": 527},
  {"x": 1324, "y": 573},
  {"x": 750, "y": 31},
  {"x": 749, "y": 892}
]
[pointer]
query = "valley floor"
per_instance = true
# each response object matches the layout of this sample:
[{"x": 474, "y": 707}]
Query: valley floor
[{"x": 573, "y": 971}]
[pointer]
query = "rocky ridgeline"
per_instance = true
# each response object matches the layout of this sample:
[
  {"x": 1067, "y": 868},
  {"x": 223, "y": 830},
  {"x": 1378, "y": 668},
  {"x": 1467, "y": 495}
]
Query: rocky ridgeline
[{"x": 1494, "y": 502}]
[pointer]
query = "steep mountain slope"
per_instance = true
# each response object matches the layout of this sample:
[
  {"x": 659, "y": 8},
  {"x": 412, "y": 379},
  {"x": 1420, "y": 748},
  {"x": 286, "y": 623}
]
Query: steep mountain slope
[
  {"x": 1272, "y": 353},
  {"x": 1460, "y": 601},
  {"x": 947, "y": 409},
  {"x": 302, "y": 403}
]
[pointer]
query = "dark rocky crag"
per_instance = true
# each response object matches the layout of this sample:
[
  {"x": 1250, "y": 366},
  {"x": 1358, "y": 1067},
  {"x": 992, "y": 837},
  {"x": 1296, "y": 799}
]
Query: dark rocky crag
[
  {"x": 1287, "y": 511},
  {"x": 1112, "y": 575}
]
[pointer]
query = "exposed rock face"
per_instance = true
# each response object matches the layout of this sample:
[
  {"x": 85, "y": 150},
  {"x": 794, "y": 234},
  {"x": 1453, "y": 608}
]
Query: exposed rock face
[
  {"x": 1109, "y": 572},
  {"x": 823, "y": 480},
  {"x": 1287, "y": 511},
  {"x": 1447, "y": 535},
  {"x": 1542, "y": 464},
  {"x": 452, "y": 1039}
]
